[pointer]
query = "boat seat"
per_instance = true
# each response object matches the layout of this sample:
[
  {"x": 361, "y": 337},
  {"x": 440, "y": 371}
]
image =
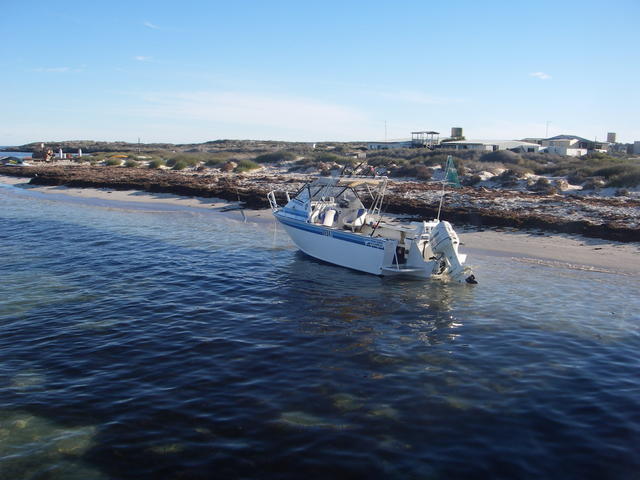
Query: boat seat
[{"x": 358, "y": 221}]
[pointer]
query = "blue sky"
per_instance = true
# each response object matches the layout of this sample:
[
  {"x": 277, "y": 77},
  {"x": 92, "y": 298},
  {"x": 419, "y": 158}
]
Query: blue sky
[{"x": 194, "y": 71}]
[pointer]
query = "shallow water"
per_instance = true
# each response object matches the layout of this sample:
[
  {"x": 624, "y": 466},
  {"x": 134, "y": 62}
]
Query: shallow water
[{"x": 159, "y": 342}]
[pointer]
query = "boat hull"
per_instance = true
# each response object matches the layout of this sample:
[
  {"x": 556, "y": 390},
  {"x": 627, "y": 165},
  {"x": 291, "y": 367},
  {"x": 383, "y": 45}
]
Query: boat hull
[{"x": 342, "y": 248}]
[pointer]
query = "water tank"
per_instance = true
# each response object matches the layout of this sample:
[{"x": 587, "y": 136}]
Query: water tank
[
  {"x": 456, "y": 132},
  {"x": 611, "y": 137}
]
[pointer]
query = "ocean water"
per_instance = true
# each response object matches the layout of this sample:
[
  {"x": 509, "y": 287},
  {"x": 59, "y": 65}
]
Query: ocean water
[
  {"x": 16, "y": 154},
  {"x": 159, "y": 342}
]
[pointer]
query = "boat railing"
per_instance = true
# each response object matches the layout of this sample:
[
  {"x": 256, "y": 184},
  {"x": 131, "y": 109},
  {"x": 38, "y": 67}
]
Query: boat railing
[{"x": 271, "y": 196}]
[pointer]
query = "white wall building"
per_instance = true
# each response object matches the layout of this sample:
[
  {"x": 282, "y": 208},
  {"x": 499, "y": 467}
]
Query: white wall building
[
  {"x": 564, "y": 146},
  {"x": 468, "y": 145},
  {"x": 492, "y": 145},
  {"x": 389, "y": 145}
]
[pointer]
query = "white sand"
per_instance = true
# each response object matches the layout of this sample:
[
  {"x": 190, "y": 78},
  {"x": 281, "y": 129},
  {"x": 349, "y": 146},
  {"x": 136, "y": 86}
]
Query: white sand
[
  {"x": 572, "y": 251},
  {"x": 133, "y": 196}
]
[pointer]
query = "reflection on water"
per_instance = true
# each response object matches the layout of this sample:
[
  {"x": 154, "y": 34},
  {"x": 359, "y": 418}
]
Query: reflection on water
[{"x": 186, "y": 344}]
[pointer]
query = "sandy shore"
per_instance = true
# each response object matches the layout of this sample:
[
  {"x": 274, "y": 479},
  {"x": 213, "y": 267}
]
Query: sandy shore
[
  {"x": 571, "y": 251},
  {"x": 134, "y": 196}
]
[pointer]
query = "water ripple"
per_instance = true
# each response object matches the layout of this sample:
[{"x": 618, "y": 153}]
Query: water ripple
[{"x": 171, "y": 344}]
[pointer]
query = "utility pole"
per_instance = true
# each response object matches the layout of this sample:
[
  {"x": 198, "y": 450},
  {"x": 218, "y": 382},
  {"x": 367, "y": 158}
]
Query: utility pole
[
  {"x": 547, "y": 131},
  {"x": 385, "y": 130}
]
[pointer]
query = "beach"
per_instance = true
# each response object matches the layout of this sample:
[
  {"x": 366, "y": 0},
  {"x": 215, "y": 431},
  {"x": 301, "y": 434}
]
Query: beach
[
  {"x": 609, "y": 218},
  {"x": 532, "y": 246}
]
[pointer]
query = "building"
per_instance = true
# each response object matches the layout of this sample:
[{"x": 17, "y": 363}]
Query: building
[
  {"x": 572, "y": 145},
  {"x": 537, "y": 140},
  {"x": 389, "y": 145},
  {"x": 424, "y": 139},
  {"x": 480, "y": 145},
  {"x": 636, "y": 148},
  {"x": 492, "y": 145}
]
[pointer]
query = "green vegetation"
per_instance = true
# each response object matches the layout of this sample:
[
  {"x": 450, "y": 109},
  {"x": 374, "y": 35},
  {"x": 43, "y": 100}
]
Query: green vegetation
[
  {"x": 275, "y": 157},
  {"x": 628, "y": 178},
  {"x": 332, "y": 158},
  {"x": 502, "y": 156},
  {"x": 420, "y": 172},
  {"x": 245, "y": 165},
  {"x": 156, "y": 163},
  {"x": 179, "y": 165},
  {"x": 183, "y": 161},
  {"x": 216, "y": 162},
  {"x": 105, "y": 156},
  {"x": 594, "y": 171}
]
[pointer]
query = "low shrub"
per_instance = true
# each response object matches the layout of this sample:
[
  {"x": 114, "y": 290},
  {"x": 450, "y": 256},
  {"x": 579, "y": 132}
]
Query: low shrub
[
  {"x": 599, "y": 158},
  {"x": 611, "y": 171},
  {"x": 423, "y": 173},
  {"x": 593, "y": 183},
  {"x": 380, "y": 161},
  {"x": 630, "y": 178},
  {"x": 275, "y": 157},
  {"x": 179, "y": 165},
  {"x": 186, "y": 159},
  {"x": 131, "y": 163},
  {"x": 113, "y": 162},
  {"x": 156, "y": 163},
  {"x": 215, "y": 162},
  {"x": 471, "y": 180},
  {"x": 416, "y": 171},
  {"x": 543, "y": 185},
  {"x": 331, "y": 158},
  {"x": 246, "y": 165},
  {"x": 576, "y": 177},
  {"x": 510, "y": 177},
  {"x": 502, "y": 156}
]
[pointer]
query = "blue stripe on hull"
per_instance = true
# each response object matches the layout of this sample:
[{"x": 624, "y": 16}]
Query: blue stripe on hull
[{"x": 338, "y": 235}]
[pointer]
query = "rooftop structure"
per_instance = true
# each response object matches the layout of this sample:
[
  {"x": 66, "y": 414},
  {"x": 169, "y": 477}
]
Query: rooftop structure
[{"x": 426, "y": 139}]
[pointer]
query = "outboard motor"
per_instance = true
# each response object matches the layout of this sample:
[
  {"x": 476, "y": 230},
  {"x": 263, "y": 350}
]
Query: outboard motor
[{"x": 444, "y": 243}]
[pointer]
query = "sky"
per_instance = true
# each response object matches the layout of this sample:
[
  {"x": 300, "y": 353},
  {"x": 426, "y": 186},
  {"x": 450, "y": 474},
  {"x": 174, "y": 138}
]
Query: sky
[{"x": 194, "y": 71}]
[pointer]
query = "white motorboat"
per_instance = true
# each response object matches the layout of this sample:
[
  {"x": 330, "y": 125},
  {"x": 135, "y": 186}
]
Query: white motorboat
[{"x": 327, "y": 220}]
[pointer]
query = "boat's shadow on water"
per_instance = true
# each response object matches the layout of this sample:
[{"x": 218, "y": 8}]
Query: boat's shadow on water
[{"x": 331, "y": 297}]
